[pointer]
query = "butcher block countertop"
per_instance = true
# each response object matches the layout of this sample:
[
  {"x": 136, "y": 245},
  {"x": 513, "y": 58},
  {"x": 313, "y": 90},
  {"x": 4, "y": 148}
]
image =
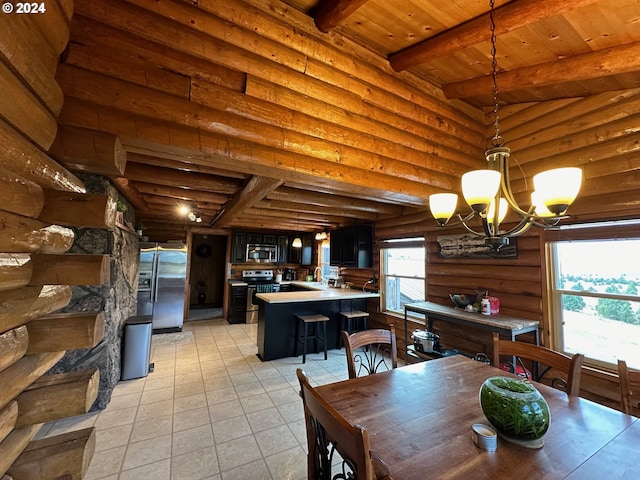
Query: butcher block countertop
[{"x": 317, "y": 293}]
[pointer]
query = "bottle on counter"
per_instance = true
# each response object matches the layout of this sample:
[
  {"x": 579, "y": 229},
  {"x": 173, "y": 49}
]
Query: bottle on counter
[{"x": 485, "y": 306}]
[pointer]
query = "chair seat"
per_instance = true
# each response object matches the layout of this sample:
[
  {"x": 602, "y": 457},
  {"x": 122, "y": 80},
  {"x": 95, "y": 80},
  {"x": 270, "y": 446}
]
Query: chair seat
[
  {"x": 355, "y": 314},
  {"x": 313, "y": 318}
]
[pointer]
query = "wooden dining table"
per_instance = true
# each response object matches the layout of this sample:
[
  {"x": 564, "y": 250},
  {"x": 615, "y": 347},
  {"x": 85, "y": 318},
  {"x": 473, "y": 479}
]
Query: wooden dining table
[{"x": 420, "y": 417}]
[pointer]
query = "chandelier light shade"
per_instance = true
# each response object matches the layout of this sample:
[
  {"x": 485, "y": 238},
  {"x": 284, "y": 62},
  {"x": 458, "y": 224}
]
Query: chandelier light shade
[
  {"x": 321, "y": 236},
  {"x": 297, "y": 242},
  {"x": 554, "y": 190}
]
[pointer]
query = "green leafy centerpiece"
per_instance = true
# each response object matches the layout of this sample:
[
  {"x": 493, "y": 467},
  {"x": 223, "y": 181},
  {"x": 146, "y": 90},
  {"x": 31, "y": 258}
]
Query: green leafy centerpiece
[{"x": 516, "y": 409}]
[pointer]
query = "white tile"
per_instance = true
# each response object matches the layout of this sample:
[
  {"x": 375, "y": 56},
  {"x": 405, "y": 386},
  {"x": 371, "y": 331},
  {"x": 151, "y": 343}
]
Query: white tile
[
  {"x": 147, "y": 451},
  {"x": 288, "y": 465},
  {"x": 239, "y": 451},
  {"x": 108, "y": 438},
  {"x": 256, "y": 470},
  {"x": 193, "y": 439},
  {"x": 191, "y": 419},
  {"x": 276, "y": 440},
  {"x": 155, "y": 427},
  {"x": 156, "y": 471},
  {"x": 105, "y": 462},
  {"x": 226, "y": 430},
  {"x": 196, "y": 465}
]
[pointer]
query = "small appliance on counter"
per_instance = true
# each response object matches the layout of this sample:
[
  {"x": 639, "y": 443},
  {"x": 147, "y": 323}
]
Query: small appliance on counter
[{"x": 425, "y": 341}]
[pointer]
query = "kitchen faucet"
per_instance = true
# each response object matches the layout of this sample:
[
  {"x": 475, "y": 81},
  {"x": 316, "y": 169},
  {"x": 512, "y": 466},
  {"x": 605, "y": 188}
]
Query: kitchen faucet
[{"x": 315, "y": 271}]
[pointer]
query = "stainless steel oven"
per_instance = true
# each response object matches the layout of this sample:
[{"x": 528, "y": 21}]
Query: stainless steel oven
[{"x": 258, "y": 281}]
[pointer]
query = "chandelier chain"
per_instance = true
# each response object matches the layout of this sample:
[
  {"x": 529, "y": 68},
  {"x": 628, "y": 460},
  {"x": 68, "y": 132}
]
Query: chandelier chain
[{"x": 496, "y": 141}]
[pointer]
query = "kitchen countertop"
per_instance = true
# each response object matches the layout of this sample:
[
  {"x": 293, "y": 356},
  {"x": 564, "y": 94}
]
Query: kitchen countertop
[
  {"x": 237, "y": 283},
  {"x": 317, "y": 292}
]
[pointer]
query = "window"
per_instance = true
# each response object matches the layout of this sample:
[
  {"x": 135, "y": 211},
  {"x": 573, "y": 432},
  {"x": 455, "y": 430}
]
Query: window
[
  {"x": 325, "y": 257},
  {"x": 596, "y": 299},
  {"x": 403, "y": 273}
]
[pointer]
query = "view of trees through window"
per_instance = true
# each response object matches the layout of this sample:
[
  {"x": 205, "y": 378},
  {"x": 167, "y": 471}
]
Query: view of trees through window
[{"x": 598, "y": 285}]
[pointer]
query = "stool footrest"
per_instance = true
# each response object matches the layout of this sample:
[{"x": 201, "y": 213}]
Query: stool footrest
[
  {"x": 354, "y": 314},
  {"x": 313, "y": 318}
]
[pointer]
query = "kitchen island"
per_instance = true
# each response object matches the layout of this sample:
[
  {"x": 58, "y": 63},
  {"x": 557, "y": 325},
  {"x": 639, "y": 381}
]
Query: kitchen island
[{"x": 277, "y": 315}]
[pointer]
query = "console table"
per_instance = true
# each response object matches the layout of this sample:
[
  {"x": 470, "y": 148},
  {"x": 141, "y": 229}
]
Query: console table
[{"x": 509, "y": 327}]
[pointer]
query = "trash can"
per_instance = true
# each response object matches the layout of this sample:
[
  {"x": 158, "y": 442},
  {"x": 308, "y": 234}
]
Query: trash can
[{"x": 136, "y": 347}]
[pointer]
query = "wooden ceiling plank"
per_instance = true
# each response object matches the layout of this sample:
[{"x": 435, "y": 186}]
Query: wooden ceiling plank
[
  {"x": 296, "y": 207},
  {"x": 507, "y": 18},
  {"x": 254, "y": 191},
  {"x": 602, "y": 63},
  {"x": 331, "y": 13}
]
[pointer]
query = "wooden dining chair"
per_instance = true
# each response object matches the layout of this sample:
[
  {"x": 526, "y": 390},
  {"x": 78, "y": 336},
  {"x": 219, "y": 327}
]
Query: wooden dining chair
[
  {"x": 329, "y": 433},
  {"x": 549, "y": 359},
  {"x": 629, "y": 388},
  {"x": 370, "y": 351}
]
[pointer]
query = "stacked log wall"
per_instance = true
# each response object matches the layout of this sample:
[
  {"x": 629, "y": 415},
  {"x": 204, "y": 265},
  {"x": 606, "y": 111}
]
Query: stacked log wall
[
  {"x": 601, "y": 135},
  {"x": 36, "y": 270}
]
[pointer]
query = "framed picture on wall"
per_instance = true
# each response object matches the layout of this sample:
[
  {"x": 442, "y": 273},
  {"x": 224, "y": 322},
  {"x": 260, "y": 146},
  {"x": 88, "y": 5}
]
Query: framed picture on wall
[{"x": 470, "y": 246}]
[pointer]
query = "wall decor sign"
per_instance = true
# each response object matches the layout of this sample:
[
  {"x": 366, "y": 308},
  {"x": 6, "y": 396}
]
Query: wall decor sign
[{"x": 471, "y": 246}]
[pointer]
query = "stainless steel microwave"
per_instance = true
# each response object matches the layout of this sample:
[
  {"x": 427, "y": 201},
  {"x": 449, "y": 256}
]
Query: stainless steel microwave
[{"x": 262, "y": 253}]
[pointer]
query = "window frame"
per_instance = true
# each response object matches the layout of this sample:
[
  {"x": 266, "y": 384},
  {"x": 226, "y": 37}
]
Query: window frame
[
  {"x": 398, "y": 243},
  {"x": 606, "y": 231}
]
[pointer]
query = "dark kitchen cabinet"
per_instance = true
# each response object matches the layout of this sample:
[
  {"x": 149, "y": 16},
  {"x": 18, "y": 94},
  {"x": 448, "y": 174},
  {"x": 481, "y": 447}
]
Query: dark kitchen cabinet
[
  {"x": 237, "y": 311},
  {"x": 352, "y": 247},
  {"x": 253, "y": 237},
  {"x": 239, "y": 248},
  {"x": 269, "y": 238},
  {"x": 283, "y": 248},
  {"x": 304, "y": 254}
]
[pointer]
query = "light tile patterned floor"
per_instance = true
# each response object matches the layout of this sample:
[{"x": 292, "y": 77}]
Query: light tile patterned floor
[{"x": 209, "y": 410}]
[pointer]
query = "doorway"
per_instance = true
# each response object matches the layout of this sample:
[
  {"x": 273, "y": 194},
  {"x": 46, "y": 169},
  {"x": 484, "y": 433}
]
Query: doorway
[{"x": 208, "y": 255}]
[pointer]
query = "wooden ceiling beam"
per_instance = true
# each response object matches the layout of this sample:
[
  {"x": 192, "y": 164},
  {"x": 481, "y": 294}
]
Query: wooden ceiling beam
[
  {"x": 332, "y": 13},
  {"x": 510, "y": 17},
  {"x": 183, "y": 164},
  {"x": 333, "y": 200},
  {"x": 181, "y": 194},
  {"x": 174, "y": 178},
  {"x": 296, "y": 208},
  {"x": 609, "y": 61},
  {"x": 255, "y": 190}
]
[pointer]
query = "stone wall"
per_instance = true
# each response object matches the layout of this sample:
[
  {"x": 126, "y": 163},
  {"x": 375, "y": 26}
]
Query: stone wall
[{"x": 117, "y": 300}]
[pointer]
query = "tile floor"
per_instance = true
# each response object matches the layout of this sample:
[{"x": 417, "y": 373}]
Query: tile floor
[{"x": 209, "y": 410}]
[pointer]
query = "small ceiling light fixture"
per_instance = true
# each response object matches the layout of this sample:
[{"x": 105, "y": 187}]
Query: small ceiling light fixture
[
  {"x": 554, "y": 190},
  {"x": 190, "y": 213},
  {"x": 321, "y": 236}
]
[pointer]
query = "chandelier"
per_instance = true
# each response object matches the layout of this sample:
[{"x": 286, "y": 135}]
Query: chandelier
[{"x": 554, "y": 190}]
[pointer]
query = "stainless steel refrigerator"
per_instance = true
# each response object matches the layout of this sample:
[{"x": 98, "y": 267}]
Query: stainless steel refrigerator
[{"x": 161, "y": 285}]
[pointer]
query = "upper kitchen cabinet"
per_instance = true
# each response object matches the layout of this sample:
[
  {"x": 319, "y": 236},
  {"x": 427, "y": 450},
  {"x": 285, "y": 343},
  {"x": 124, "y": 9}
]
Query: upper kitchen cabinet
[
  {"x": 352, "y": 246},
  {"x": 304, "y": 254},
  {"x": 239, "y": 247},
  {"x": 283, "y": 249}
]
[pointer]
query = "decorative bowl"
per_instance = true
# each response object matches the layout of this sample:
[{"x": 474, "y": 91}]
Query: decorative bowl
[
  {"x": 516, "y": 409},
  {"x": 462, "y": 300}
]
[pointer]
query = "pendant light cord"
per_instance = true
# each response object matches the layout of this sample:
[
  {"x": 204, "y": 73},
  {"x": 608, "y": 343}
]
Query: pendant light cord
[{"x": 496, "y": 141}]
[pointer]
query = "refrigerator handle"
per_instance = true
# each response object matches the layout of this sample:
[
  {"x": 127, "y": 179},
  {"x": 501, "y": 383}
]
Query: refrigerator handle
[{"x": 154, "y": 278}]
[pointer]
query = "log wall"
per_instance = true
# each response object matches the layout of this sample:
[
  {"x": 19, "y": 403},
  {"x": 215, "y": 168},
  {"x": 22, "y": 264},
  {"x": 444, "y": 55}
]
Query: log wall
[
  {"x": 36, "y": 271},
  {"x": 601, "y": 134}
]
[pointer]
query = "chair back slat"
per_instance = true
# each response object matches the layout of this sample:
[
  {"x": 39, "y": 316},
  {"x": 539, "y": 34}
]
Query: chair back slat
[
  {"x": 378, "y": 350},
  {"x": 571, "y": 366},
  {"x": 629, "y": 389}
]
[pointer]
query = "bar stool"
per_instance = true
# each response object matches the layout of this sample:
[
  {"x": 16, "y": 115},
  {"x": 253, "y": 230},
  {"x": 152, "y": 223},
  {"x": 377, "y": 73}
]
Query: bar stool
[
  {"x": 315, "y": 320},
  {"x": 349, "y": 321}
]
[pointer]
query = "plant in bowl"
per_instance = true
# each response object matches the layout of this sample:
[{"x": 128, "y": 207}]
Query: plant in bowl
[{"x": 516, "y": 409}]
